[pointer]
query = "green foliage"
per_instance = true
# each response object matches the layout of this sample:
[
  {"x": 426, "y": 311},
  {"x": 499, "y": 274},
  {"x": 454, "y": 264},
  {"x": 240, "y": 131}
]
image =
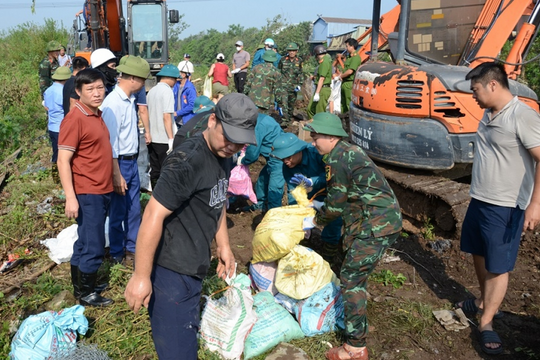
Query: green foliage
[
  {"x": 387, "y": 277},
  {"x": 204, "y": 47},
  {"x": 428, "y": 230}
]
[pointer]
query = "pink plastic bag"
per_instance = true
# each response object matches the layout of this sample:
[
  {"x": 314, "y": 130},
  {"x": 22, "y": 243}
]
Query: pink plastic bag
[{"x": 240, "y": 183}]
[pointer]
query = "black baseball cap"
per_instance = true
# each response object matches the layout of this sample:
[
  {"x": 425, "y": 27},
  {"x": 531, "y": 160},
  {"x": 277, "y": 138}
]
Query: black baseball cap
[{"x": 238, "y": 115}]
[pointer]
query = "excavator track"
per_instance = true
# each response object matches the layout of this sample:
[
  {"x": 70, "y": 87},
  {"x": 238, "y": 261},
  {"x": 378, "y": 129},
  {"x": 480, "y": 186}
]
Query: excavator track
[{"x": 427, "y": 197}]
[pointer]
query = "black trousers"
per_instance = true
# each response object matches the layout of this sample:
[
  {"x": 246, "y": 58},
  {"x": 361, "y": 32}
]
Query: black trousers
[
  {"x": 158, "y": 153},
  {"x": 239, "y": 81}
]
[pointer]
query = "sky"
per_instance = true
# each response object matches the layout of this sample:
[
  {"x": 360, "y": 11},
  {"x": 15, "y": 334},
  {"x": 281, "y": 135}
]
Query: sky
[{"x": 200, "y": 15}]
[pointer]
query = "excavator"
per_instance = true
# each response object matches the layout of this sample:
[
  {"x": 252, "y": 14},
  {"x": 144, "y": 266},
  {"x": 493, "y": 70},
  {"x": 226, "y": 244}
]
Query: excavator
[
  {"x": 415, "y": 115},
  {"x": 102, "y": 25}
]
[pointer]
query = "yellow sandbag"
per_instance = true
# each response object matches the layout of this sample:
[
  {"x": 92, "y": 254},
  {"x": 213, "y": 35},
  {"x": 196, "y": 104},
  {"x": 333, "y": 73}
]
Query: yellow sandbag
[
  {"x": 279, "y": 231},
  {"x": 302, "y": 273},
  {"x": 299, "y": 194}
]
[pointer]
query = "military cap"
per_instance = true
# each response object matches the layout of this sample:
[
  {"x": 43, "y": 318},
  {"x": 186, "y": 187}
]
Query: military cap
[
  {"x": 53, "y": 45},
  {"x": 135, "y": 66},
  {"x": 286, "y": 145},
  {"x": 169, "y": 71},
  {"x": 270, "y": 56},
  {"x": 203, "y": 103},
  {"x": 327, "y": 124},
  {"x": 62, "y": 73},
  {"x": 292, "y": 46}
]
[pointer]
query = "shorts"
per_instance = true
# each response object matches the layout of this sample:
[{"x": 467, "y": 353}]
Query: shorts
[
  {"x": 218, "y": 88},
  {"x": 493, "y": 232}
]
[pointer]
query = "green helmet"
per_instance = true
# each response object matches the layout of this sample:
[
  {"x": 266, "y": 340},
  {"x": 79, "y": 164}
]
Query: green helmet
[
  {"x": 53, "y": 45},
  {"x": 134, "y": 65},
  {"x": 292, "y": 47}
]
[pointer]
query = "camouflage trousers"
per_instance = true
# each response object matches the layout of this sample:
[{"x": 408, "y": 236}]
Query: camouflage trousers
[
  {"x": 289, "y": 99},
  {"x": 360, "y": 261}
]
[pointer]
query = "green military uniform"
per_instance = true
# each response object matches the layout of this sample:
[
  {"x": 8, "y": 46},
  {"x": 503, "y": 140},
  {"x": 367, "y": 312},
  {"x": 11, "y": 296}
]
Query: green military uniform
[
  {"x": 291, "y": 69},
  {"x": 264, "y": 84},
  {"x": 352, "y": 63},
  {"x": 48, "y": 67},
  {"x": 359, "y": 193},
  {"x": 324, "y": 70}
]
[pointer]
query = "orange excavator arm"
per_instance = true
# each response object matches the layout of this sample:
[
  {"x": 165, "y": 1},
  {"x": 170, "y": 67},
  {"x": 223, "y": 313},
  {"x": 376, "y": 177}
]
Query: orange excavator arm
[{"x": 493, "y": 28}]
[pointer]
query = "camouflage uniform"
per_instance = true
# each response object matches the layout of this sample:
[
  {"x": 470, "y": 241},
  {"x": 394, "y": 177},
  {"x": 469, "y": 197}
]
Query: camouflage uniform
[
  {"x": 291, "y": 69},
  {"x": 359, "y": 193},
  {"x": 46, "y": 70},
  {"x": 263, "y": 84}
]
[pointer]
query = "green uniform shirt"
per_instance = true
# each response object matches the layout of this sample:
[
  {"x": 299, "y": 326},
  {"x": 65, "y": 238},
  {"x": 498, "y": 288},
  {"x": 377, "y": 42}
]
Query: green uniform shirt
[
  {"x": 291, "y": 69},
  {"x": 359, "y": 193},
  {"x": 263, "y": 83},
  {"x": 353, "y": 62},
  {"x": 46, "y": 70},
  {"x": 325, "y": 70}
]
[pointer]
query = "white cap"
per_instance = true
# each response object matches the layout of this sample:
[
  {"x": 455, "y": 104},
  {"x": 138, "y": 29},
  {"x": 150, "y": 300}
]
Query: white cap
[
  {"x": 220, "y": 56},
  {"x": 239, "y": 43}
]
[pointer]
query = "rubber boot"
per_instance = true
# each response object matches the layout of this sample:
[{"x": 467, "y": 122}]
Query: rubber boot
[
  {"x": 76, "y": 282},
  {"x": 89, "y": 297}
]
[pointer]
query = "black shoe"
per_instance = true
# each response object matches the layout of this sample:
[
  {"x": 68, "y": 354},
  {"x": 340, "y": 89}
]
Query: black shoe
[
  {"x": 89, "y": 297},
  {"x": 76, "y": 282}
]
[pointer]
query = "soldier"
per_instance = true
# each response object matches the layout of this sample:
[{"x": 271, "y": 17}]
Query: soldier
[
  {"x": 359, "y": 193},
  {"x": 48, "y": 65},
  {"x": 291, "y": 70},
  {"x": 264, "y": 83},
  {"x": 347, "y": 77},
  {"x": 319, "y": 102}
]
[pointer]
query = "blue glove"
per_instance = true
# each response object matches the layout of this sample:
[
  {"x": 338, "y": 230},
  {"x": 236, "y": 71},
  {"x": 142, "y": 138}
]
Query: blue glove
[
  {"x": 308, "y": 223},
  {"x": 298, "y": 179},
  {"x": 317, "y": 205},
  {"x": 297, "y": 88}
]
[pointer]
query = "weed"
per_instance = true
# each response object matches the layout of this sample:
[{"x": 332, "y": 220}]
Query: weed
[
  {"x": 531, "y": 354},
  {"x": 404, "y": 234},
  {"x": 387, "y": 277},
  {"x": 428, "y": 230}
]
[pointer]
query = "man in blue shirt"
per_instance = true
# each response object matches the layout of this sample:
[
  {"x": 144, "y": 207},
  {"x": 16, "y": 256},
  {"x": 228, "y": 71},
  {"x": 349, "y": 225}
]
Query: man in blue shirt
[
  {"x": 120, "y": 117},
  {"x": 184, "y": 96},
  {"x": 302, "y": 163},
  {"x": 52, "y": 100},
  {"x": 269, "y": 186}
]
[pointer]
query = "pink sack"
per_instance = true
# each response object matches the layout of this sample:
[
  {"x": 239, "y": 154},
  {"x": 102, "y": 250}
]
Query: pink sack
[{"x": 240, "y": 183}]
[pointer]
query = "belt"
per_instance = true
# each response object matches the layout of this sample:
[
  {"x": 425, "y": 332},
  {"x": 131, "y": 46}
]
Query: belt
[{"x": 128, "y": 157}]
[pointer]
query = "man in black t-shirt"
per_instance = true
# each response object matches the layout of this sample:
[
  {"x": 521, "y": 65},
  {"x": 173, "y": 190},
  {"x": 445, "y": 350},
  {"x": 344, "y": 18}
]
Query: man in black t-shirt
[
  {"x": 69, "y": 96},
  {"x": 187, "y": 211}
]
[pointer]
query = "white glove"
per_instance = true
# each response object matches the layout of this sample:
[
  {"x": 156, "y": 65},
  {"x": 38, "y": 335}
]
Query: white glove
[
  {"x": 170, "y": 143},
  {"x": 240, "y": 158},
  {"x": 317, "y": 205},
  {"x": 235, "y": 71},
  {"x": 316, "y": 97},
  {"x": 308, "y": 223}
]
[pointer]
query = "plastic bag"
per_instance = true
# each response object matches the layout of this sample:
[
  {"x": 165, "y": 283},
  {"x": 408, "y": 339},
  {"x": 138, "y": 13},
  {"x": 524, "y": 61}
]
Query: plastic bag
[
  {"x": 274, "y": 325},
  {"x": 263, "y": 275},
  {"x": 322, "y": 312},
  {"x": 48, "y": 334},
  {"x": 302, "y": 273},
  {"x": 335, "y": 96},
  {"x": 61, "y": 247},
  {"x": 207, "y": 87},
  {"x": 279, "y": 231},
  {"x": 240, "y": 183},
  {"x": 226, "y": 321}
]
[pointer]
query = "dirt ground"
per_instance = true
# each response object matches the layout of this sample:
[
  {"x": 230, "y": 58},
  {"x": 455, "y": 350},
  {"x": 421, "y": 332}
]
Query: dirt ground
[{"x": 438, "y": 279}]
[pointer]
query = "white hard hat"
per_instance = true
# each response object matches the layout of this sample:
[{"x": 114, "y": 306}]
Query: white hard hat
[
  {"x": 269, "y": 42},
  {"x": 220, "y": 56},
  {"x": 185, "y": 67},
  {"x": 100, "y": 57}
]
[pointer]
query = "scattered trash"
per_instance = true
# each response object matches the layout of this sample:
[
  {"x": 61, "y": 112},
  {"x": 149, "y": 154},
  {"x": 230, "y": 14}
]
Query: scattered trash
[
  {"x": 440, "y": 245},
  {"x": 45, "y": 206},
  {"x": 240, "y": 183},
  {"x": 390, "y": 258},
  {"x": 12, "y": 261},
  {"x": 84, "y": 352},
  {"x": 452, "y": 320},
  {"x": 48, "y": 334},
  {"x": 33, "y": 169},
  {"x": 61, "y": 247}
]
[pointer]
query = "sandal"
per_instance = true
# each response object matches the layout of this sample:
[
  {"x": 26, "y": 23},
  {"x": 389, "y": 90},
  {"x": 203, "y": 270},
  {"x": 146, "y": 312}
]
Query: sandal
[
  {"x": 333, "y": 354},
  {"x": 487, "y": 337},
  {"x": 469, "y": 306}
]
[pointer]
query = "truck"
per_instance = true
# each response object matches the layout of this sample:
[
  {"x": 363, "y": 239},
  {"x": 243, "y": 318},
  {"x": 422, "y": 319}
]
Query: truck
[
  {"x": 101, "y": 24},
  {"x": 415, "y": 115}
]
